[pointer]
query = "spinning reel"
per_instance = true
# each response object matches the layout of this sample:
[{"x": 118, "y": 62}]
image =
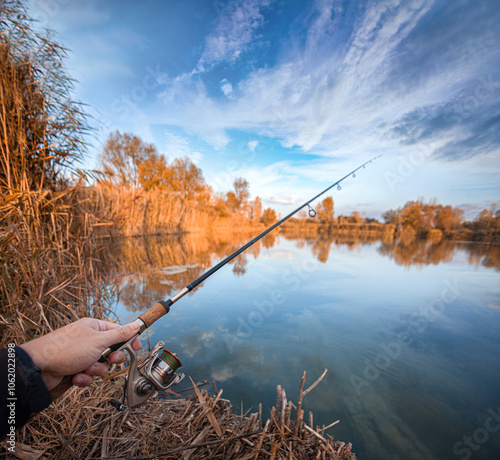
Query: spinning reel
[{"x": 145, "y": 379}]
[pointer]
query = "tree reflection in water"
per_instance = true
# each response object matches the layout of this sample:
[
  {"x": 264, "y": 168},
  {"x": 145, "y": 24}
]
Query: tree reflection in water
[
  {"x": 146, "y": 269},
  {"x": 150, "y": 268}
]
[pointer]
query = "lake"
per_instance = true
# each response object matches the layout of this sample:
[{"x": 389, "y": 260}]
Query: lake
[{"x": 409, "y": 333}]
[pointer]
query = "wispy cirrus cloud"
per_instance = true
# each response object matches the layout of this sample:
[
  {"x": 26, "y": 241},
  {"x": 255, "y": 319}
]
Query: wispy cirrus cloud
[
  {"x": 345, "y": 90},
  {"x": 233, "y": 34},
  {"x": 178, "y": 147}
]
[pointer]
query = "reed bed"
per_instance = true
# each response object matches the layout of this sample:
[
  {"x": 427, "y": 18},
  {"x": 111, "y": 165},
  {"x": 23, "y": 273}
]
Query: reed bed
[
  {"x": 82, "y": 425},
  {"x": 48, "y": 273},
  {"x": 130, "y": 211}
]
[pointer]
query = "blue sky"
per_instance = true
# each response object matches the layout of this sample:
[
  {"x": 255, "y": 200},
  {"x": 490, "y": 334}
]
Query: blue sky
[{"x": 291, "y": 95}]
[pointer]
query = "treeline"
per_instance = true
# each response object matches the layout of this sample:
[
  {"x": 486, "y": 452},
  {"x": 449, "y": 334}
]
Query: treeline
[
  {"x": 324, "y": 213},
  {"x": 141, "y": 193},
  {"x": 415, "y": 220},
  {"x": 432, "y": 220}
]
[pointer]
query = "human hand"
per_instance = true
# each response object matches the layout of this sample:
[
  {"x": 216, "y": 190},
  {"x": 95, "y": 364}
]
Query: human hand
[{"x": 75, "y": 349}]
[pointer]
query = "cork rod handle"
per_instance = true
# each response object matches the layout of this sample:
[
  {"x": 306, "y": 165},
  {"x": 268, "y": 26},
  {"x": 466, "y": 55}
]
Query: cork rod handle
[{"x": 153, "y": 314}]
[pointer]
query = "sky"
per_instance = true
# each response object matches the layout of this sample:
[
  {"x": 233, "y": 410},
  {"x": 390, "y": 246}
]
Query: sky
[{"x": 292, "y": 95}]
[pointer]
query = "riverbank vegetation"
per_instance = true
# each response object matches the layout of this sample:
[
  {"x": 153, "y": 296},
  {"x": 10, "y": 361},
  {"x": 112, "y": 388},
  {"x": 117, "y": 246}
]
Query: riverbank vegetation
[
  {"x": 435, "y": 221},
  {"x": 47, "y": 246},
  {"x": 200, "y": 426},
  {"x": 139, "y": 193}
]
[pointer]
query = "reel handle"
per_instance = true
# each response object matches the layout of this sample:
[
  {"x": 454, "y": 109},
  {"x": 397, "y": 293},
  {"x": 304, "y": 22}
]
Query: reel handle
[{"x": 147, "y": 318}]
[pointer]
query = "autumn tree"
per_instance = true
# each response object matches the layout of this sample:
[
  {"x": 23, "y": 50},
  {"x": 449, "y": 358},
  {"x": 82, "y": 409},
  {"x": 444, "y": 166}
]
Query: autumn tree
[
  {"x": 220, "y": 206},
  {"x": 185, "y": 178},
  {"x": 424, "y": 218},
  {"x": 241, "y": 190},
  {"x": 269, "y": 217},
  {"x": 237, "y": 199},
  {"x": 154, "y": 172},
  {"x": 413, "y": 216},
  {"x": 121, "y": 156},
  {"x": 355, "y": 218},
  {"x": 231, "y": 201},
  {"x": 391, "y": 216},
  {"x": 448, "y": 218},
  {"x": 324, "y": 210},
  {"x": 488, "y": 219},
  {"x": 256, "y": 210}
]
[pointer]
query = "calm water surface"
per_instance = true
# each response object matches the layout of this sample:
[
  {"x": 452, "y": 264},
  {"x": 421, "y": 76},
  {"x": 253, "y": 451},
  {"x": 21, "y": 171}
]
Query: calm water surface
[{"x": 410, "y": 334}]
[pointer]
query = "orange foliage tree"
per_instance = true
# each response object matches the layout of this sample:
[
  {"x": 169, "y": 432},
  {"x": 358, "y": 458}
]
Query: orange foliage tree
[
  {"x": 256, "y": 210},
  {"x": 121, "y": 156},
  {"x": 325, "y": 210},
  {"x": 424, "y": 217},
  {"x": 237, "y": 201},
  {"x": 269, "y": 217}
]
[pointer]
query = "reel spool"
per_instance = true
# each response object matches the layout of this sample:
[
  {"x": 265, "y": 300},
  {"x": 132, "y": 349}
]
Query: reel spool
[
  {"x": 155, "y": 373},
  {"x": 164, "y": 367}
]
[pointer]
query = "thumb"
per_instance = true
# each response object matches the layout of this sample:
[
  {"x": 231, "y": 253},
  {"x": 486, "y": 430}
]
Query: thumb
[{"x": 122, "y": 333}]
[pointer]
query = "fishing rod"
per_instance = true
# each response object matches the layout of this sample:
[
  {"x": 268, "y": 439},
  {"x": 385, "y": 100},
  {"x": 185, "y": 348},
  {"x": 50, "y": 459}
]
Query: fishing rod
[{"x": 157, "y": 371}]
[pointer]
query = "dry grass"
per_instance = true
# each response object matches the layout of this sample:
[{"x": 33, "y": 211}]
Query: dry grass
[
  {"x": 48, "y": 274},
  {"x": 134, "y": 211},
  {"x": 202, "y": 425}
]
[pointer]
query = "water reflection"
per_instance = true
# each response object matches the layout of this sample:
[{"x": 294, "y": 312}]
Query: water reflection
[
  {"x": 427, "y": 252},
  {"x": 140, "y": 266},
  {"x": 140, "y": 263},
  {"x": 418, "y": 252},
  {"x": 358, "y": 296}
]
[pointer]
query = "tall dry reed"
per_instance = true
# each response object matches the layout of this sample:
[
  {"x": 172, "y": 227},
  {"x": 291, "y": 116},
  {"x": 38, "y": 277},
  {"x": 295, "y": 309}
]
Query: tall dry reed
[
  {"x": 135, "y": 211},
  {"x": 48, "y": 274}
]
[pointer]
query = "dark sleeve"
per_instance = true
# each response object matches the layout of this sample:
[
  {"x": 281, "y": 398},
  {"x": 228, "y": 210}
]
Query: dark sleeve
[{"x": 22, "y": 390}]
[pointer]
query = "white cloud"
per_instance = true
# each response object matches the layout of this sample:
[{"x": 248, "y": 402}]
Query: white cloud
[
  {"x": 320, "y": 98},
  {"x": 269, "y": 178},
  {"x": 178, "y": 147},
  {"x": 277, "y": 254},
  {"x": 252, "y": 145},
  {"x": 281, "y": 199},
  {"x": 236, "y": 29},
  {"x": 226, "y": 87},
  {"x": 341, "y": 97},
  {"x": 327, "y": 100}
]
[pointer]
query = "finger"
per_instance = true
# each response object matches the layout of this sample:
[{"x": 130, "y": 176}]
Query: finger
[
  {"x": 107, "y": 325},
  {"x": 82, "y": 380},
  {"x": 117, "y": 357},
  {"x": 136, "y": 344},
  {"x": 99, "y": 369},
  {"x": 121, "y": 333}
]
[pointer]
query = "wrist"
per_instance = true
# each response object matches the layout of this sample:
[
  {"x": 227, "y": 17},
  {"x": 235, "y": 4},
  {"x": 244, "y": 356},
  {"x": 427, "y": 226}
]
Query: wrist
[
  {"x": 32, "y": 379},
  {"x": 34, "y": 353},
  {"x": 38, "y": 358}
]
